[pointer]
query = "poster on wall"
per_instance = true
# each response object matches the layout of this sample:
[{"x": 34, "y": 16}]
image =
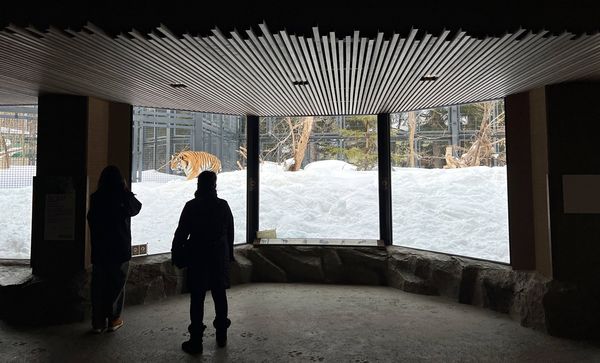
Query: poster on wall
[
  {"x": 54, "y": 208},
  {"x": 59, "y": 217}
]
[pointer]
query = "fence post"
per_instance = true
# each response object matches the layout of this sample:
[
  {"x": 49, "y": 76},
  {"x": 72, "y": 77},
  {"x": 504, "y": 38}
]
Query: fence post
[
  {"x": 454, "y": 128},
  {"x": 385, "y": 178},
  {"x": 252, "y": 129}
]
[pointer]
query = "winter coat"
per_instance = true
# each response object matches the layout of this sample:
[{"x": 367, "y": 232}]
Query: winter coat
[
  {"x": 207, "y": 223},
  {"x": 109, "y": 218}
]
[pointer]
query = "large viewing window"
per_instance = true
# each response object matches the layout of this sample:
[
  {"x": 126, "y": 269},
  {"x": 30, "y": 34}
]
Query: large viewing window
[
  {"x": 449, "y": 180},
  {"x": 318, "y": 177},
  {"x": 18, "y": 153},
  {"x": 160, "y": 134}
]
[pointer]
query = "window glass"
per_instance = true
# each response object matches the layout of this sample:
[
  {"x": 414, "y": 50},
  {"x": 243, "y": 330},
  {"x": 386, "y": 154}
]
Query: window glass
[
  {"x": 318, "y": 177},
  {"x": 449, "y": 180},
  {"x": 158, "y": 135},
  {"x": 18, "y": 156}
]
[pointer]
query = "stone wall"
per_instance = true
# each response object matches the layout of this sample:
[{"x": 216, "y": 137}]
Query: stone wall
[
  {"x": 485, "y": 284},
  {"x": 153, "y": 278},
  {"x": 558, "y": 308}
]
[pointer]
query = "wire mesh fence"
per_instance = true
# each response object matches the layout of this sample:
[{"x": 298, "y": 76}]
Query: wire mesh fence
[
  {"x": 423, "y": 139},
  {"x": 18, "y": 145},
  {"x": 158, "y": 134}
]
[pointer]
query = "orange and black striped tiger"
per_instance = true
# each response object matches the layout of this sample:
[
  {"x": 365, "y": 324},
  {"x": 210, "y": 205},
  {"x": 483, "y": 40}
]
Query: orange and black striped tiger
[{"x": 192, "y": 163}]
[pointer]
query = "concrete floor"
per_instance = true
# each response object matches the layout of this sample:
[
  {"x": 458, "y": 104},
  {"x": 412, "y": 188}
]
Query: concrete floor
[{"x": 304, "y": 322}]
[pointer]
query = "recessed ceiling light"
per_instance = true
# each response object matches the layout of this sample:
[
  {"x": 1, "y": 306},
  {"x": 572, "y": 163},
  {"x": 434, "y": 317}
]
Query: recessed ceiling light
[
  {"x": 429, "y": 77},
  {"x": 300, "y": 83},
  {"x": 177, "y": 85}
]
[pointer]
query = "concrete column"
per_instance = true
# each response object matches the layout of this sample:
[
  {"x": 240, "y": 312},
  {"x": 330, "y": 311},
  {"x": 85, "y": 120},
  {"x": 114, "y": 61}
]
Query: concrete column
[
  {"x": 539, "y": 173},
  {"x": 77, "y": 137},
  {"x": 526, "y": 181}
]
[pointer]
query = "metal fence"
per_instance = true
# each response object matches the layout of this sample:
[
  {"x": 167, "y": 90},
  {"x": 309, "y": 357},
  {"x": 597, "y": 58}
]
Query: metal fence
[
  {"x": 18, "y": 145},
  {"x": 454, "y": 126},
  {"x": 160, "y": 133}
]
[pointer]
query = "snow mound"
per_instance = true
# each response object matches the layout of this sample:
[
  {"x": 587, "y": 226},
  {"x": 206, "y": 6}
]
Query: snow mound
[
  {"x": 329, "y": 166},
  {"x": 270, "y": 166}
]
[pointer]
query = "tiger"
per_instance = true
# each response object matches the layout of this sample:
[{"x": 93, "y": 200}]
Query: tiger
[{"x": 192, "y": 163}]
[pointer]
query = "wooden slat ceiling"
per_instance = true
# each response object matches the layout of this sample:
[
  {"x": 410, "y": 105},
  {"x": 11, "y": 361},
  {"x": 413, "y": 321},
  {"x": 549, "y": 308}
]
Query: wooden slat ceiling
[{"x": 275, "y": 73}]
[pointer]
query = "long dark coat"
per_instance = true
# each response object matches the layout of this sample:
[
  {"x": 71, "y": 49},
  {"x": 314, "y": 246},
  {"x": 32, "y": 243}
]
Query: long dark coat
[
  {"x": 208, "y": 222},
  {"x": 109, "y": 218}
]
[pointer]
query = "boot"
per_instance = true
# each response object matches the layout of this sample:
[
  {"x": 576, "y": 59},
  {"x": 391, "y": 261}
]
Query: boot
[
  {"x": 194, "y": 344},
  {"x": 221, "y": 333}
]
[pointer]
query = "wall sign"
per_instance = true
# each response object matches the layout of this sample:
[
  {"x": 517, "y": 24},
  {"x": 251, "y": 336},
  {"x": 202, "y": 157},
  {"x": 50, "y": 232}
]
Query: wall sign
[
  {"x": 581, "y": 194},
  {"x": 59, "y": 217}
]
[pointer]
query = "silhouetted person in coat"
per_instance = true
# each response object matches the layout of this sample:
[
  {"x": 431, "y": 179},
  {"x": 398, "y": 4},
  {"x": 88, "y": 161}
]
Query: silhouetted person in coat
[
  {"x": 109, "y": 216},
  {"x": 208, "y": 223}
]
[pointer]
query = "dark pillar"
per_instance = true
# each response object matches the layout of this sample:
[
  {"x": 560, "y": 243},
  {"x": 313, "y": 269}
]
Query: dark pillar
[
  {"x": 519, "y": 182},
  {"x": 60, "y": 186},
  {"x": 385, "y": 178},
  {"x": 77, "y": 137},
  {"x": 252, "y": 130}
]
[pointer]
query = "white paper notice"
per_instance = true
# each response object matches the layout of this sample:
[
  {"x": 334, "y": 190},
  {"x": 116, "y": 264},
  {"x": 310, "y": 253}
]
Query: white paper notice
[{"x": 59, "y": 224}]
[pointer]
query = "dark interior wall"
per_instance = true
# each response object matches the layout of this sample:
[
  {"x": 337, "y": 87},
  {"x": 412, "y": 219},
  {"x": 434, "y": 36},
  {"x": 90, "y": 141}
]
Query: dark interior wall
[
  {"x": 62, "y": 130},
  {"x": 120, "y": 118},
  {"x": 97, "y": 136},
  {"x": 108, "y": 143},
  {"x": 109, "y": 138},
  {"x": 573, "y": 118}
]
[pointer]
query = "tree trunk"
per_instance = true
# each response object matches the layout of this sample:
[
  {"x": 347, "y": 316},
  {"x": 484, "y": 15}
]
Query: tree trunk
[
  {"x": 412, "y": 125},
  {"x": 367, "y": 147},
  {"x": 480, "y": 150},
  {"x": 4, "y": 159},
  {"x": 486, "y": 136},
  {"x": 307, "y": 124}
]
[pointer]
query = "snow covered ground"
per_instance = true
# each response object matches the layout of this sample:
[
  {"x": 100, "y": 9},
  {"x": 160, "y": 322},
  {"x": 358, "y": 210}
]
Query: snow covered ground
[
  {"x": 458, "y": 211},
  {"x": 15, "y": 222},
  {"x": 162, "y": 203},
  {"x": 15, "y": 211}
]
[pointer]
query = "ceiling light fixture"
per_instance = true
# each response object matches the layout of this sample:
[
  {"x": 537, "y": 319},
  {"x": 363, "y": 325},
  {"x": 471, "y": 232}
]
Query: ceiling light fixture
[
  {"x": 177, "y": 85},
  {"x": 429, "y": 78},
  {"x": 300, "y": 83}
]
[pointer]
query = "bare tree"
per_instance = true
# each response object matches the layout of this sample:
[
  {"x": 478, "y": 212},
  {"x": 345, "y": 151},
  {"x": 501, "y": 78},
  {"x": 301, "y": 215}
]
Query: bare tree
[
  {"x": 244, "y": 154},
  {"x": 290, "y": 133},
  {"x": 412, "y": 125},
  {"x": 294, "y": 140},
  {"x": 300, "y": 147},
  {"x": 481, "y": 150}
]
